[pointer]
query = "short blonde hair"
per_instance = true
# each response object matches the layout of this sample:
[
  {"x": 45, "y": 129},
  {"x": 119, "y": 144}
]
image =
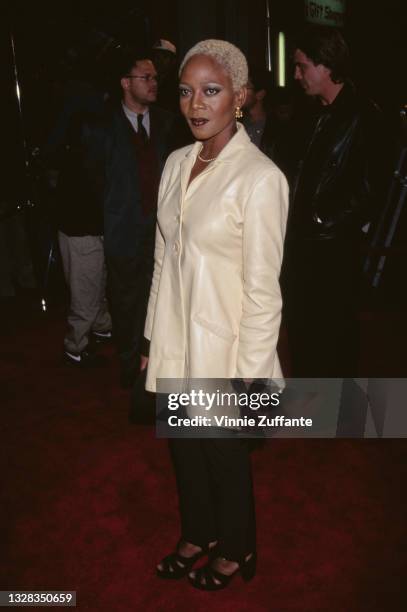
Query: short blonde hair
[{"x": 227, "y": 55}]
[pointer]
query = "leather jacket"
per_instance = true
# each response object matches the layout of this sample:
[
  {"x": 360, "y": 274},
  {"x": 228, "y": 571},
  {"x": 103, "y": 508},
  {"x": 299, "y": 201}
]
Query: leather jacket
[
  {"x": 336, "y": 183},
  {"x": 215, "y": 301}
]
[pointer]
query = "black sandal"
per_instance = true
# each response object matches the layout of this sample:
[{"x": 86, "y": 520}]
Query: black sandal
[
  {"x": 176, "y": 566},
  {"x": 247, "y": 570}
]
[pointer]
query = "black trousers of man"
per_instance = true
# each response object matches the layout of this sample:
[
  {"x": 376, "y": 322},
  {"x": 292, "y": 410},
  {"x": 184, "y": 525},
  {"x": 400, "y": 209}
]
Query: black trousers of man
[
  {"x": 216, "y": 494},
  {"x": 321, "y": 285},
  {"x": 129, "y": 282}
]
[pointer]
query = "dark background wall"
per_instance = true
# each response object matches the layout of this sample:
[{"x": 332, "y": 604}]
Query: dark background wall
[
  {"x": 58, "y": 41},
  {"x": 60, "y": 45}
]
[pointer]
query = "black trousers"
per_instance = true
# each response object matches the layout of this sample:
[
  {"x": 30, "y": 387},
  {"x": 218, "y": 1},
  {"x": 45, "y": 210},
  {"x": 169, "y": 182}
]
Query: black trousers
[
  {"x": 216, "y": 494},
  {"x": 321, "y": 285},
  {"x": 129, "y": 281}
]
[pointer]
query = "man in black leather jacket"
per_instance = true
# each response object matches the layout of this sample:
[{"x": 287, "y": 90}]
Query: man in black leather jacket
[{"x": 336, "y": 182}]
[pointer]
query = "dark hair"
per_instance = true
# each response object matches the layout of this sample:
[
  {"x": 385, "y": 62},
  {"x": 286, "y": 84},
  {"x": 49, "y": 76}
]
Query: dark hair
[
  {"x": 260, "y": 78},
  {"x": 128, "y": 59},
  {"x": 281, "y": 96},
  {"x": 326, "y": 46}
]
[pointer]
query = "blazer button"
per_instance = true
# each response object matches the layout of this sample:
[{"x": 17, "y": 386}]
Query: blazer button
[{"x": 176, "y": 247}]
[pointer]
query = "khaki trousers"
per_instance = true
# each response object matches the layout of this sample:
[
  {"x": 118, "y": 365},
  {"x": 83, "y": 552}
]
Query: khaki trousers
[{"x": 84, "y": 266}]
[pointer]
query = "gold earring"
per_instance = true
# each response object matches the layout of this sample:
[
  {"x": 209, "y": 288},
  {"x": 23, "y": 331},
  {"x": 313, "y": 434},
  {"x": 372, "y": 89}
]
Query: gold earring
[{"x": 238, "y": 112}]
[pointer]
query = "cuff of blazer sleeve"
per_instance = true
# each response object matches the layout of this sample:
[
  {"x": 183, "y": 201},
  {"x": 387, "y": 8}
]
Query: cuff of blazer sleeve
[{"x": 145, "y": 347}]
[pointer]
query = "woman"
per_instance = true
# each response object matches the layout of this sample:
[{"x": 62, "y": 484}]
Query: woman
[{"x": 215, "y": 302}]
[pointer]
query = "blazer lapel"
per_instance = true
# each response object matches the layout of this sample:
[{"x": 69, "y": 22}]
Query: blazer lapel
[{"x": 185, "y": 172}]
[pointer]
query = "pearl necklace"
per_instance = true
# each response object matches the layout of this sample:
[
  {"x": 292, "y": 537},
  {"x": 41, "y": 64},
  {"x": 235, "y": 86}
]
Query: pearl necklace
[{"x": 206, "y": 161}]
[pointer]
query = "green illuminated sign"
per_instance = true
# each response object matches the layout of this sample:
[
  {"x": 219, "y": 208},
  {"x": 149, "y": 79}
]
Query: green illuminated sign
[{"x": 325, "y": 12}]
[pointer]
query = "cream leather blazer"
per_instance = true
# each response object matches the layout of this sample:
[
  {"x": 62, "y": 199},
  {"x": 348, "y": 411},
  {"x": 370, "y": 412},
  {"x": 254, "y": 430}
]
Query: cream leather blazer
[{"x": 215, "y": 303}]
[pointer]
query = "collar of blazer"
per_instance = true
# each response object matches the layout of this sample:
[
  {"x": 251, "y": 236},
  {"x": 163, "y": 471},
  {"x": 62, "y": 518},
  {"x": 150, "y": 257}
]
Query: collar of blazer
[{"x": 239, "y": 141}]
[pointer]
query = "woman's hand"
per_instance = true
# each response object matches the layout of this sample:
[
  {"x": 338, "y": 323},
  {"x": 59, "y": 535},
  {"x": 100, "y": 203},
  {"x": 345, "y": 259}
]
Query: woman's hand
[{"x": 143, "y": 362}]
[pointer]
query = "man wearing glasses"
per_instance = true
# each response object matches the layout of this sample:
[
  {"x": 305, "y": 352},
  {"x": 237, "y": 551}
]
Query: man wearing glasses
[{"x": 136, "y": 146}]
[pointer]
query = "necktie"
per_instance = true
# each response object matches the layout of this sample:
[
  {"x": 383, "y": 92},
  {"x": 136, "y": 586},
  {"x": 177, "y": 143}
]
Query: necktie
[{"x": 141, "y": 130}]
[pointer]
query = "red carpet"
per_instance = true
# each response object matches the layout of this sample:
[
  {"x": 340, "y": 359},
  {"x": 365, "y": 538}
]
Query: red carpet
[{"x": 89, "y": 501}]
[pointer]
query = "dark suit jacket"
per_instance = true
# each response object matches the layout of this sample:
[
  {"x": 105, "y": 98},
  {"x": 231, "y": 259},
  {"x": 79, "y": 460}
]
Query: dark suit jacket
[
  {"x": 99, "y": 185},
  {"x": 80, "y": 187},
  {"x": 124, "y": 221}
]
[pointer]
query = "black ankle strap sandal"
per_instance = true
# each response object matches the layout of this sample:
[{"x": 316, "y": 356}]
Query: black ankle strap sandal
[
  {"x": 209, "y": 579},
  {"x": 176, "y": 566}
]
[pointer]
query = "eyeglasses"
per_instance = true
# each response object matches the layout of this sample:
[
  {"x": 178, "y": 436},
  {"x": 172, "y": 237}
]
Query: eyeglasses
[{"x": 145, "y": 77}]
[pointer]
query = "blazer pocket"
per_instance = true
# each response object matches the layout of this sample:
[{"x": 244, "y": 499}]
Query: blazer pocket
[{"x": 215, "y": 328}]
